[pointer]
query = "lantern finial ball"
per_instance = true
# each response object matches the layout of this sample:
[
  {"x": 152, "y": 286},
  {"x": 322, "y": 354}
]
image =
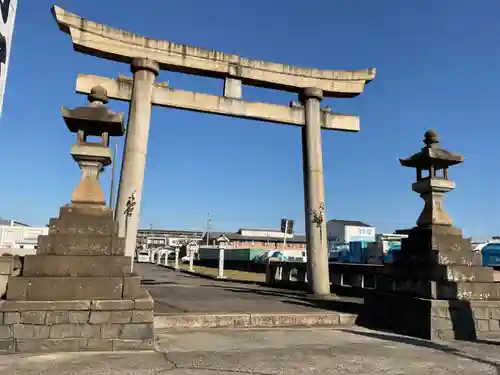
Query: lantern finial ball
[
  {"x": 431, "y": 137},
  {"x": 98, "y": 94}
]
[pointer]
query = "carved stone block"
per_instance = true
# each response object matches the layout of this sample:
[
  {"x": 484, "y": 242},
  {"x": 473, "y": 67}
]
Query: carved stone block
[
  {"x": 67, "y": 244},
  {"x": 76, "y": 265}
]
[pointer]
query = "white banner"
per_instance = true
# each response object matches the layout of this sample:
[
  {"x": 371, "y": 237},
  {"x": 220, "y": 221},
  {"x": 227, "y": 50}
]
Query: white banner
[{"x": 7, "y": 17}]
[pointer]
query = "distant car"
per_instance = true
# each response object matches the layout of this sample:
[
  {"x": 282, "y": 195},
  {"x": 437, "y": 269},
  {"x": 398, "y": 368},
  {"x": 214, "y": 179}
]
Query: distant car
[
  {"x": 287, "y": 255},
  {"x": 262, "y": 258},
  {"x": 279, "y": 255},
  {"x": 143, "y": 256}
]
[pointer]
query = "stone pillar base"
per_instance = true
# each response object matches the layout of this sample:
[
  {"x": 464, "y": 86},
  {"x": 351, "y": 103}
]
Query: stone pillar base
[
  {"x": 71, "y": 326},
  {"x": 77, "y": 293},
  {"x": 435, "y": 289}
]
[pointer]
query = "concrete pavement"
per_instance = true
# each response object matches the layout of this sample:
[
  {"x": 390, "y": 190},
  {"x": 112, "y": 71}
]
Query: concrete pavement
[
  {"x": 277, "y": 351},
  {"x": 262, "y": 351}
]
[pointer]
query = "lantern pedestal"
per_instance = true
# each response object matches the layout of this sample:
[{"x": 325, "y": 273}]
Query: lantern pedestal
[
  {"x": 91, "y": 158},
  {"x": 432, "y": 191}
]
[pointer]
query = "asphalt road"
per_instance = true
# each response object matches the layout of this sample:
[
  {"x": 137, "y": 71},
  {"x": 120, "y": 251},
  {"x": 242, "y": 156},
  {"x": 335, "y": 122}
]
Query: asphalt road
[{"x": 176, "y": 292}]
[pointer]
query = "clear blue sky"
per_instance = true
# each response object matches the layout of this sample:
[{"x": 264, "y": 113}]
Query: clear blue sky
[{"x": 438, "y": 66}]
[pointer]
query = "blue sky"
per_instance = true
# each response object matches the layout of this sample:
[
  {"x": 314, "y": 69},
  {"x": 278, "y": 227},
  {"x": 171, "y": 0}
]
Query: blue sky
[{"x": 437, "y": 67}]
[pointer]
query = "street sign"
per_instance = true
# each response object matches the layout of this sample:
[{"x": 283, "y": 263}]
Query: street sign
[
  {"x": 8, "y": 10},
  {"x": 287, "y": 226}
]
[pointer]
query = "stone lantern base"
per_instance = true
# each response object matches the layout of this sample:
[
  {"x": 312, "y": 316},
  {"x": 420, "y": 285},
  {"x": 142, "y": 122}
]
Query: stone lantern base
[
  {"x": 77, "y": 292},
  {"x": 437, "y": 262},
  {"x": 436, "y": 288}
]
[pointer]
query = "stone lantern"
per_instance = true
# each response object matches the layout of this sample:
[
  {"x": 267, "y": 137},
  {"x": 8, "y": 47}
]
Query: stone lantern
[
  {"x": 434, "y": 240},
  {"x": 98, "y": 121},
  {"x": 436, "y": 287},
  {"x": 436, "y": 261},
  {"x": 79, "y": 289},
  {"x": 435, "y": 161}
]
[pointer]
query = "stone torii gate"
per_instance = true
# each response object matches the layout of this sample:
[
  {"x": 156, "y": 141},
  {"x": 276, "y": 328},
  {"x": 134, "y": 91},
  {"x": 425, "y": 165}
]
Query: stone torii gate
[{"x": 148, "y": 56}]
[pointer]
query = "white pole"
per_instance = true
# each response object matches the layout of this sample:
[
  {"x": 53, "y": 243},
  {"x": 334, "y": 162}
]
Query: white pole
[
  {"x": 166, "y": 257},
  {"x": 167, "y": 261},
  {"x": 113, "y": 172},
  {"x": 284, "y": 238},
  {"x": 176, "y": 264},
  {"x": 191, "y": 256},
  {"x": 221, "y": 263},
  {"x": 280, "y": 269}
]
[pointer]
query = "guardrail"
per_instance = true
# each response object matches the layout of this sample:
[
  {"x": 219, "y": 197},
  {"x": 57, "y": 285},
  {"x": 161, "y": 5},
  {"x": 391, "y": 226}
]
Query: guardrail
[{"x": 354, "y": 277}]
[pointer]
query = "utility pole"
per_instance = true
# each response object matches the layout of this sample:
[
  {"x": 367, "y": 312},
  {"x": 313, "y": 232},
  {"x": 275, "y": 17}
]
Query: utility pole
[
  {"x": 286, "y": 226},
  {"x": 284, "y": 237},
  {"x": 209, "y": 226},
  {"x": 112, "y": 188}
]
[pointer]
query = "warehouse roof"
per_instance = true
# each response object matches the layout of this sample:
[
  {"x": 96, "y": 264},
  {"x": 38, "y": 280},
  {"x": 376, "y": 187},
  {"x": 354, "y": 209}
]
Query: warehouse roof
[{"x": 353, "y": 223}]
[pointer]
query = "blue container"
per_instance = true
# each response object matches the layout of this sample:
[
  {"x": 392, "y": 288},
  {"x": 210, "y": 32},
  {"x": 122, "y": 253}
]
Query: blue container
[
  {"x": 491, "y": 255},
  {"x": 389, "y": 257},
  {"x": 356, "y": 252},
  {"x": 344, "y": 256}
]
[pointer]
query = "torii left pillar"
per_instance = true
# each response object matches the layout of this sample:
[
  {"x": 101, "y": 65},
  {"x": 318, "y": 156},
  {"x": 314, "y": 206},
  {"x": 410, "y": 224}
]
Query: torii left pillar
[
  {"x": 135, "y": 150},
  {"x": 318, "y": 277}
]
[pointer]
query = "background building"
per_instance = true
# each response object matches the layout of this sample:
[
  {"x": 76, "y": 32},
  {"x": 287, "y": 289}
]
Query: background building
[
  {"x": 344, "y": 231},
  {"x": 18, "y": 238},
  {"x": 257, "y": 238},
  {"x": 166, "y": 237}
]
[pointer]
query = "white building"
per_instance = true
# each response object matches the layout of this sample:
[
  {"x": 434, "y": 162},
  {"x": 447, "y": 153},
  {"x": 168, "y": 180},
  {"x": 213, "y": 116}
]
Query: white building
[
  {"x": 271, "y": 233},
  {"x": 344, "y": 231},
  {"x": 152, "y": 238},
  {"x": 16, "y": 235}
]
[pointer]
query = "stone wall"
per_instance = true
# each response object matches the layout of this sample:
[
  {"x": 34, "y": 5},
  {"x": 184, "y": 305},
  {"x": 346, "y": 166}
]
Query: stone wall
[
  {"x": 88, "y": 325},
  {"x": 431, "y": 319},
  {"x": 9, "y": 266},
  {"x": 465, "y": 321}
]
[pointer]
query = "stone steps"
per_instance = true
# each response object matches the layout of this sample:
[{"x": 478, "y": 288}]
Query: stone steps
[{"x": 169, "y": 322}]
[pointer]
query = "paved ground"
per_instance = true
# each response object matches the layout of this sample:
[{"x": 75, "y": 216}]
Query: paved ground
[
  {"x": 177, "y": 292},
  {"x": 279, "y": 351}
]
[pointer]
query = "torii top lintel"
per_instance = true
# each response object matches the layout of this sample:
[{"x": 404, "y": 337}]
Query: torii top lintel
[{"x": 118, "y": 45}]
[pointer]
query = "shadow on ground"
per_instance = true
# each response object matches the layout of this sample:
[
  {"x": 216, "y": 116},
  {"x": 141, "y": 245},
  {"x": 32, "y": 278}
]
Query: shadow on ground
[
  {"x": 154, "y": 282},
  {"x": 300, "y": 298},
  {"x": 384, "y": 312},
  {"x": 424, "y": 343}
]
